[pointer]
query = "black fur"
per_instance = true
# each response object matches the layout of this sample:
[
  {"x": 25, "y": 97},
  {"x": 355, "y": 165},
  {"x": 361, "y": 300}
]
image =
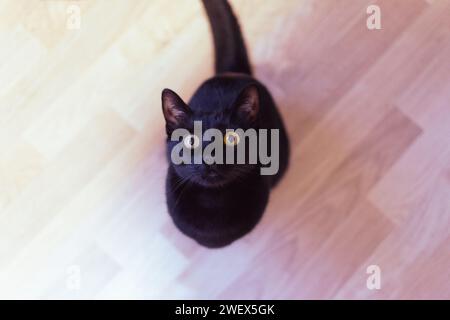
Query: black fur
[
  {"x": 217, "y": 204},
  {"x": 230, "y": 52}
]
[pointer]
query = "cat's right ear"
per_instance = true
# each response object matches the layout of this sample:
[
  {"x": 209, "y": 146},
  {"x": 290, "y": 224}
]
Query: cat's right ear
[{"x": 175, "y": 111}]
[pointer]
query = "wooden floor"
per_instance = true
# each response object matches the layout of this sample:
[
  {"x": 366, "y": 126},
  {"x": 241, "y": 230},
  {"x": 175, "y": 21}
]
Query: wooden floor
[{"x": 82, "y": 167}]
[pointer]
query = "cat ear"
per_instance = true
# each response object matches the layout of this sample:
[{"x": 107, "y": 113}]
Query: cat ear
[
  {"x": 247, "y": 104},
  {"x": 174, "y": 109}
]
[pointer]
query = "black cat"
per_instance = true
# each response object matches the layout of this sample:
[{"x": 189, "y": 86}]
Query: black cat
[{"x": 216, "y": 204}]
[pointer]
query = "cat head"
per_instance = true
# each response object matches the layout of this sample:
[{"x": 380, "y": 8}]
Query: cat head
[{"x": 216, "y": 107}]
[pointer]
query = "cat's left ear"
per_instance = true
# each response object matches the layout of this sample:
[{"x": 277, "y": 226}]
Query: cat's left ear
[
  {"x": 247, "y": 104},
  {"x": 175, "y": 110}
]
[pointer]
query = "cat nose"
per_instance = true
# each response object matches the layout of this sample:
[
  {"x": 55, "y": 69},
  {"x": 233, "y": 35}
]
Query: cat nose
[
  {"x": 210, "y": 171},
  {"x": 213, "y": 174}
]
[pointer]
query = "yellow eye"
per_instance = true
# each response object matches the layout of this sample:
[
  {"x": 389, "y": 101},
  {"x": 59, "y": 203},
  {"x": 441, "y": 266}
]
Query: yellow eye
[
  {"x": 191, "y": 141},
  {"x": 231, "y": 138}
]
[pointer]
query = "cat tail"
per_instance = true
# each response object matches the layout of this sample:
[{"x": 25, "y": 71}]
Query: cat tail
[{"x": 229, "y": 45}]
